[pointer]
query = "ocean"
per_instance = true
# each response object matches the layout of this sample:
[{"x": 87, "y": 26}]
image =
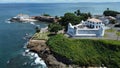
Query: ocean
[{"x": 12, "y": 42}]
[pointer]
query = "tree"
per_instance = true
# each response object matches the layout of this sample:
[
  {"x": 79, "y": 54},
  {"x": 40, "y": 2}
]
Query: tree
[
  {"x": 85, "y": 16},
  {"x": 112, "y": 21},
  {"x": 46, "y": 15},
  {"x": 74, "y": 18},
  {"x": 70, "y": 18},
  {"x": 77, "y": 12},
  {"x": 54, "y": 27},
  {"x": 89, "y": 14},
  {"x": 110, "y": 13},
  {"x": 56, "y": 17}
]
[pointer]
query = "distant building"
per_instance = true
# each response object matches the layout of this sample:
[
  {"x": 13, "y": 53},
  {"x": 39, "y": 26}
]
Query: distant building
[
  {"x": 104, "y": 19},
  {"x": 111, "y": 17},
  {"x": 91, "y": 27},
  {"x": 23, "y": 16},
  {"x": 118, "y": 16}
]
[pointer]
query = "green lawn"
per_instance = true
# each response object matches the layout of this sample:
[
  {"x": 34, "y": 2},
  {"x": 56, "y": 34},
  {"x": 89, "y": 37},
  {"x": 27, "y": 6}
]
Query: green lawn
[{"x": 87, "y": 52}]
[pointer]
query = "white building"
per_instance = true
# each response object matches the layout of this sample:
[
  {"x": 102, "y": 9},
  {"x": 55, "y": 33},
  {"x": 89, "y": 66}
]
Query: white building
[
  {"x": 118, "y": 16},
  {"x": 91, "y": 27}
]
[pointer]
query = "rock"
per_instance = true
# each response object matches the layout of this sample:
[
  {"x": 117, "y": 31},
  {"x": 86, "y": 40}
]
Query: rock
[{"x": 40, "y": 47}]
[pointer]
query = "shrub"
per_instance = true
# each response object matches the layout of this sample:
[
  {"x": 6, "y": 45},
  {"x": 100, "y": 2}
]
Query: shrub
[{"x": 54, "y": 27}]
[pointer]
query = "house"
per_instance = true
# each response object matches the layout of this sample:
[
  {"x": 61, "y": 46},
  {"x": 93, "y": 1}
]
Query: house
[
  {"x": 104, "y": 19},
  {"x": 91, "y": 27},
  {"x": 118, "y": 16}
]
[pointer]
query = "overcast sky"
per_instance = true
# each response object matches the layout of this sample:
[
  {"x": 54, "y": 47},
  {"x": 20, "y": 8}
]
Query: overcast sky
[{"x": 54, "y": 1}]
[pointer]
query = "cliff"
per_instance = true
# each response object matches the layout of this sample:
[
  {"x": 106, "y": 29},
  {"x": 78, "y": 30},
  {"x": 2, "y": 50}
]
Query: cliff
[{"x": 40, "y": 47}]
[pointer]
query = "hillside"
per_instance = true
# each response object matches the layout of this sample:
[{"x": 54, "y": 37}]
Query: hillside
[{"x": 86, "y": 52}]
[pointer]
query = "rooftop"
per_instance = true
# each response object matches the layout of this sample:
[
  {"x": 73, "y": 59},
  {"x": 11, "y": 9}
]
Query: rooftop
[{"x": 94, "y": 20}]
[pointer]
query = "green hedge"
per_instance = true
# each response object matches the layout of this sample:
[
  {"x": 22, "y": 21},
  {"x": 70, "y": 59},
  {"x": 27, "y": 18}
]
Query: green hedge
[{"x": 87, "y": 52}]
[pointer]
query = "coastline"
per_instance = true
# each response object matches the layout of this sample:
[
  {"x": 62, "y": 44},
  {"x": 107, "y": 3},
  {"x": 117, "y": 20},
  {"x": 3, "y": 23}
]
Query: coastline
[
  {"x": 43, "y": 51},
  {"x": 33, "y": 55}
]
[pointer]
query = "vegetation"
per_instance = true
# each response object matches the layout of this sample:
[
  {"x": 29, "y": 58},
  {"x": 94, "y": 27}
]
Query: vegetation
[
  {"x": 56, "y": 17},
  {"x": 46, "y": 15},
  {"x": 40, "y": 36},
  {"x": 87, "y": 52},
  {"x": 110, "y": 13},
  {"x": 77, "y": 12},
  {"x": 110, "y": 30},
  {"x": 70, "y": 18},
  {"x": 74, "y": 18},
  {"x": 112, "y": 21},
  {"x": 54, "y": 27}
]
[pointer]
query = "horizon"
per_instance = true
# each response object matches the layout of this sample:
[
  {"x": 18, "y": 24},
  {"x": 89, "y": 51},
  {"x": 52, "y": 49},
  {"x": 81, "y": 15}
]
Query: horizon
[
  {"x": 55, "y": 2},
  {"x": 58, "y": 1}
]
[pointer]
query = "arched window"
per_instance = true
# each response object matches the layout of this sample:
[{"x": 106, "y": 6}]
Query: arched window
[
  {"x": 96, "y": 26},
  {"x": 99, "y": 26}
]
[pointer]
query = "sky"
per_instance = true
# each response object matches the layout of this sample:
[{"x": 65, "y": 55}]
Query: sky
[{"x": 54, "y": 1}]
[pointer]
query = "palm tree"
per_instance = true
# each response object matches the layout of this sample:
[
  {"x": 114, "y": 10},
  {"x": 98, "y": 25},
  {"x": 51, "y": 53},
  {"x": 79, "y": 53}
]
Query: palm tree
[{"x": 77, "y": 12}]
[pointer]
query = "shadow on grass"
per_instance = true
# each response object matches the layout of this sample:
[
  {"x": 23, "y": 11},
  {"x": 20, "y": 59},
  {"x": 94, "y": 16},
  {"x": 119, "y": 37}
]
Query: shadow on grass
[{"x": 51, "y": 34}]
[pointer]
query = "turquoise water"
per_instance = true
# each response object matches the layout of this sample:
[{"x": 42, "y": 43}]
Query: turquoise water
[{"x": 11, "y": 34}]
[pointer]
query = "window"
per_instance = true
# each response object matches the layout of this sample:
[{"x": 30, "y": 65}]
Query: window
[
  {"x": 99, "y": 26},
  {"x": 96, "y": 26}
]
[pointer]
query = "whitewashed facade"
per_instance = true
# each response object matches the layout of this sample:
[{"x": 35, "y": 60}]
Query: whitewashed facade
[{"x": 91, "y": 27}]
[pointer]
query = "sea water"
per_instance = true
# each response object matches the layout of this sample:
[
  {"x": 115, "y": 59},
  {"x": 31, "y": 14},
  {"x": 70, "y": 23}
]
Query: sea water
[{"x": 13, "y": 52}]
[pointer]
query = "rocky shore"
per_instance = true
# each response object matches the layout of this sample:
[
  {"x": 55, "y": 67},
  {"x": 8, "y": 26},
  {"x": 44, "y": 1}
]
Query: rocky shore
[
  {"x": 40, "y": 47},
  {"x": 27, "y": 18}
]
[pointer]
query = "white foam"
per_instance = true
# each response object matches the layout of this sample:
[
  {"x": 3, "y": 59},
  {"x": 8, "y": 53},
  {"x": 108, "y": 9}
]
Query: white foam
[
  {"x": 40, "y": 61},
  {"x": 34, "y": 56},
  {"x": 27, "y": 50},
  {"x": 7, "y": 21},
  {"x": 25, "y": 45},
  {"x": 23, "y": 54},
  {"x": 8, "y": 62},
  {"x": 32, "y": 23},
  {"x": 25, "y": 63},
  {"x": 37, "y": 60}
]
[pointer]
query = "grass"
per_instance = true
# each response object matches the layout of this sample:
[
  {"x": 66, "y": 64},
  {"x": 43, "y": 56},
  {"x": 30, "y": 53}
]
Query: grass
[
  {"x": 87, "y": 52},
  {"x": 105, "y": 35},
  {"x": 110, "y": 30},
  {"x": 40, "y": 36}
]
